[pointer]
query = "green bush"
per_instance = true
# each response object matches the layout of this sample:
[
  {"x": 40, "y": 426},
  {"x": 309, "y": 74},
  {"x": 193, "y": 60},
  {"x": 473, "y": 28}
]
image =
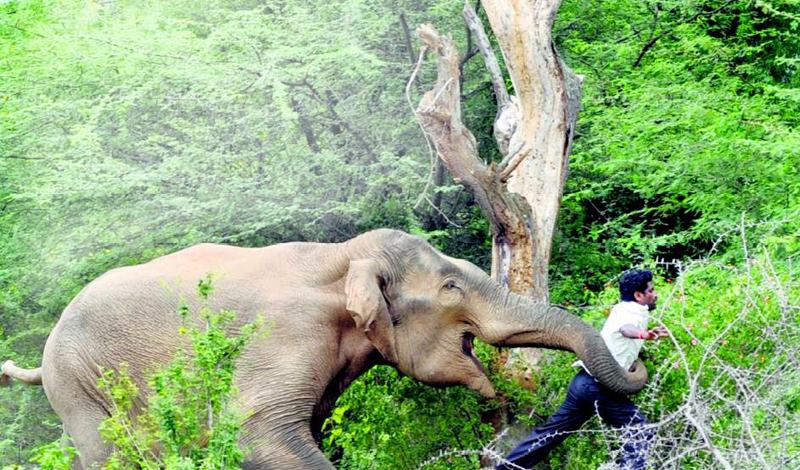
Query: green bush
[
  {"x": 54, "y": 456},
  {"x": 190, "y": 420}
]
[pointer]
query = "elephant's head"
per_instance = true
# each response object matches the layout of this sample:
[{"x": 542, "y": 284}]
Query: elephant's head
[{"x": 422, "y": 310}]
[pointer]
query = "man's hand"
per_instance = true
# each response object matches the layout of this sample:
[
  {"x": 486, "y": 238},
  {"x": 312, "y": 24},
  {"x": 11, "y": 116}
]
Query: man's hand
[
  {"x": 658, "y": 332},
  {"x": 631, "y": 331}
]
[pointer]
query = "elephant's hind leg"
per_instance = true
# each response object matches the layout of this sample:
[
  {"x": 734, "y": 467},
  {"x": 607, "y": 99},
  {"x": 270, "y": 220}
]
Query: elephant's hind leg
[
  {"x": 73, "y": 394},
  {"x": 82, "y": 427},
  {"x": 76, "y": 462}
]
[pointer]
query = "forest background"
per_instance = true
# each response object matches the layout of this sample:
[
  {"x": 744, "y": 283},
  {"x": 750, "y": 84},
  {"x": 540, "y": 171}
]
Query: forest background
[{"x": 131, "y": 129}]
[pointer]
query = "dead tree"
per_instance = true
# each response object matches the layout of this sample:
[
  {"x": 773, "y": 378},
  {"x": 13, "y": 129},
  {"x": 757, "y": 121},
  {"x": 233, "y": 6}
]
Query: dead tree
[{"x": 534, "y": 129}]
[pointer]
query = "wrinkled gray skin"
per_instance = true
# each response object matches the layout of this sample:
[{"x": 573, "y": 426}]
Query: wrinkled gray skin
[{"x": 335, "y": 311}]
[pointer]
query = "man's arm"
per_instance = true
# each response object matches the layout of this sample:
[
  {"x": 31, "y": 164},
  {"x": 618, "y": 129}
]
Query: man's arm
[{"x": 631, "y": 331}]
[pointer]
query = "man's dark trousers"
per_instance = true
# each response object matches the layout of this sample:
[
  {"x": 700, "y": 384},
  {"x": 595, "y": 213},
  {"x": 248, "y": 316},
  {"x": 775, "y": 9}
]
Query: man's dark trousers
[{"x": 585, "y": 397}]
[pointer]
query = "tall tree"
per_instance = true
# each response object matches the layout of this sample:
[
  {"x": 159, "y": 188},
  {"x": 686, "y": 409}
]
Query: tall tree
[{"x": 534, "y": 129}]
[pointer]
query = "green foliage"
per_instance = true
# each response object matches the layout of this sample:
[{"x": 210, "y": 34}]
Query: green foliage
[
  {"x": 687, "y": 132},
  {"x": 727, "y": 322},
  {"x": 387, "y": 421},
  {"x": 54, "y": 456},
  {"x": 190, "y": 419},
  {"x": 27, "y": 422}
]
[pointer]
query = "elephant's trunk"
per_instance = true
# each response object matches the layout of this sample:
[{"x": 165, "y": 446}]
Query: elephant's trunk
[{"x": 516, "y": 321}]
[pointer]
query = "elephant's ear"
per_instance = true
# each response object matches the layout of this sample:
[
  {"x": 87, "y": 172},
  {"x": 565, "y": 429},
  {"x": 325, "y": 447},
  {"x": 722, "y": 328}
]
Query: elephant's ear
[{"x": 366, "y": 304}]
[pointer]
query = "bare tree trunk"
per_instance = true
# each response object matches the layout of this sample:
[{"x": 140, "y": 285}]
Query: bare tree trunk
[
  {"x": 534, "y": 130},
  {"x": 543, "y": 118},
  {"x": 412, "y": 56}
]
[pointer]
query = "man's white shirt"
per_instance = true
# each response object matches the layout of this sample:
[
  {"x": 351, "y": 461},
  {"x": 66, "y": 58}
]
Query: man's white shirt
[{"x": 625, "y": 350}]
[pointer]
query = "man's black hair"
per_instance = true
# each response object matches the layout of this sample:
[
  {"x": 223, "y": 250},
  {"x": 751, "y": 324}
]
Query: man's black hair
[{"x": 632, "y": 281}]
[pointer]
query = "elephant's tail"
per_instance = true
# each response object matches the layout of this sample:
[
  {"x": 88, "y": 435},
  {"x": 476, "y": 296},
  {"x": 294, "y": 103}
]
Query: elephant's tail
[{"x": 9, "y": 370}]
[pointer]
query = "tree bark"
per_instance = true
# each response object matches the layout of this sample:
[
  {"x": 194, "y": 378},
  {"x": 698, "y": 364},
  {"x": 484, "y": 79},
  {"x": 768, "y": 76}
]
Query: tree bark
[{"x": 439, "y": 113}]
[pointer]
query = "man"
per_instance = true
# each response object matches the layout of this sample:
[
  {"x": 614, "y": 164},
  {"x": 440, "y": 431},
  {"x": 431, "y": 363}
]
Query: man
[{"x": 624, "y": 332}]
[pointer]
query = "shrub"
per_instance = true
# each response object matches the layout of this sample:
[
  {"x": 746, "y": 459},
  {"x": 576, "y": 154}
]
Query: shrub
[{"x": 190, "y": 420}]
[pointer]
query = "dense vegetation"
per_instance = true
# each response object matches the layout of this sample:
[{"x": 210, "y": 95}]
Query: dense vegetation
[{"x": 131, "y": 129}]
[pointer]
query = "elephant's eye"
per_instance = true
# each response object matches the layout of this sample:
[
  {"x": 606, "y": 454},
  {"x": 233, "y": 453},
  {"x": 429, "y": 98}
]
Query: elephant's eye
[{"x": 451, "y": 293}]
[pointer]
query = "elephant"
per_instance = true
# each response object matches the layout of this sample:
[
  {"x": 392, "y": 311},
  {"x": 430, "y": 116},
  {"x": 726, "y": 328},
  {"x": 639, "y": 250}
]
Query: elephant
[{"x": 335, "y": 310}]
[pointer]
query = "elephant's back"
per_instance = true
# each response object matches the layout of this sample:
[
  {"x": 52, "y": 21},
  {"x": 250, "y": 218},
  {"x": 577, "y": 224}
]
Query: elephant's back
[
  {"x": 105, "y": 326},
  {"x": 129, "y": 314},
  {"x": 287, "y": 263}
]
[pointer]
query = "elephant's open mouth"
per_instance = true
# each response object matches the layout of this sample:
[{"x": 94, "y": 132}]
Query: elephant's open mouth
[{"x": 468, "y": 348}]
